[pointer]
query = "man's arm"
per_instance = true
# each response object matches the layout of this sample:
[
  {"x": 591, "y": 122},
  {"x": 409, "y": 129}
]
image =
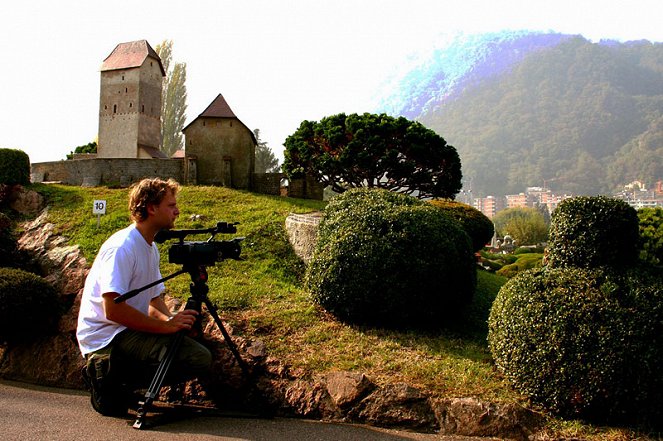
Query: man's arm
[
  {"x": 130, "y": 317},
  {"x": 159, "y": 309}
]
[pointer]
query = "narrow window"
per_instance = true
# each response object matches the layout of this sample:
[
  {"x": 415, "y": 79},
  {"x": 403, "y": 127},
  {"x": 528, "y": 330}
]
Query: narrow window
[
  {"x": 114, "y": 108},
  {"x": 131, "y": 104},
  {"x": 126, "y": 90},
  {"x": 122, "y": 77},
  {"x": 231, "y": 123},
  {"x": 142, "y": 108}
]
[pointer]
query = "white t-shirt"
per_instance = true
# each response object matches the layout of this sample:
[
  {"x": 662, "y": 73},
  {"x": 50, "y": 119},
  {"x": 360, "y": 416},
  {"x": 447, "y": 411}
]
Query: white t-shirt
[{"x": 124, "y": 262}]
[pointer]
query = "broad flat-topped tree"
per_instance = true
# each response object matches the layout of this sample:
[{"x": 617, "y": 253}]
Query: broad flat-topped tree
[{"x": 369, "y": 150}]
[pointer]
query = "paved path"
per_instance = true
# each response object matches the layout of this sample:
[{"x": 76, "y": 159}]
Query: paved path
[{"x": 29, "y": 412}]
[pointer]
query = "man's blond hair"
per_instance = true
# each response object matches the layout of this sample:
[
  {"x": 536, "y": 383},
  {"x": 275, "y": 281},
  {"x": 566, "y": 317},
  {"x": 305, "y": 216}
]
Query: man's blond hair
[{"x": 149, "y": 191}]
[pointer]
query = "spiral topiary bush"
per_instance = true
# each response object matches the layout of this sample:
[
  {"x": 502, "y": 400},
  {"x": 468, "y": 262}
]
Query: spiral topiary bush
[
  {"x": 29, "y": 305},
  {"x": 476, "y": 224},
  {"x": 588, "y": 232},
  {"x": 388, "y": 259},
  {"x": 584, "y": 343}
]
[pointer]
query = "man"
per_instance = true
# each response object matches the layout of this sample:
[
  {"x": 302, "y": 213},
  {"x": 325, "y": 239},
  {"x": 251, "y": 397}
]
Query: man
[{"x": 122, "y": 340}]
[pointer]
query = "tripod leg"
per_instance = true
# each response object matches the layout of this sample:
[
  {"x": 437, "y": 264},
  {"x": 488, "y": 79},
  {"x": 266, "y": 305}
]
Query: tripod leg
[
  {"x": 231, "y": 345},
  {"x": 157, "y": 380}
]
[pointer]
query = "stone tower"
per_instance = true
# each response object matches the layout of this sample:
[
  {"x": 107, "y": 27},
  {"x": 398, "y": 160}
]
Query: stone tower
[{"x": 130, "y": 102}]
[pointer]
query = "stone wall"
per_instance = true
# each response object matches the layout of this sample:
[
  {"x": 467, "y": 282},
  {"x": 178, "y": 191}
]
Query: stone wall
[
  {"x": 302, "y": 232},
  {"x": 123, "y": 172},
  {"x": 92, "y": 172},
  {"x": 267, "y": 183}
]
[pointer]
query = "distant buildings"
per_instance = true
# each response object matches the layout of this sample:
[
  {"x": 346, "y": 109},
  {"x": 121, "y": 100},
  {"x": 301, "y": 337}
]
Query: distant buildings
[
  {"x": 532, "y": 197},
  {"x": 638, "y": 196},
  {"x": 635, "y": 194}
]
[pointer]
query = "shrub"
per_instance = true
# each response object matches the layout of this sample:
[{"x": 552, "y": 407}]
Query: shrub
[
  {"x": 583, "y": 343},
  {"x": 7, "y": 242},
  {"x": 651, "y": 234},
  {"x": 29, "y": 306},
  {"x": 593, "y": 231},
  {"x": 524, "y": 262},
  {"x": 14, "y": 167},
  {"x": 474, "y": 222},
  {"x": 388, "y": 259},
  {"x": 526, "y": 250}
]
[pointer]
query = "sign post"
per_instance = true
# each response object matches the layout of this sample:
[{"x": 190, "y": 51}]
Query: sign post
[{"x": 99, "y": 208}]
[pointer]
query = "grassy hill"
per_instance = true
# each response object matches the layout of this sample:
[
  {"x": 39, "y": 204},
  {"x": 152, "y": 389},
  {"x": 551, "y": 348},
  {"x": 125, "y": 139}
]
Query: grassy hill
[{"x": 262, "y": 297}]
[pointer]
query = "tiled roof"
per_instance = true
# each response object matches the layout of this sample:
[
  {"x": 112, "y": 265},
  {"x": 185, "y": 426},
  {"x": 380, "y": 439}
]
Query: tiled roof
[
  {"x": 131, "y": 54},
  {"x": 218, "y": 109}
]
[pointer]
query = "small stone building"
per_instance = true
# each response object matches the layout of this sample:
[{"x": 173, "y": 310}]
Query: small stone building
[
  {"x": 223, "y": 147},
  {"x": 130, "y": 102}
]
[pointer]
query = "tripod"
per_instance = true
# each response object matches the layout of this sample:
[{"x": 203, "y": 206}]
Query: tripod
[{"x": 199, "y": 290}]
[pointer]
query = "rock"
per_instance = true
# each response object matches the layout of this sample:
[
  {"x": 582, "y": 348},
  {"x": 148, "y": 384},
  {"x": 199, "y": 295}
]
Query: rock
[
  {"x": 471, "y": 417},
  {"x": 26, "y": 202},
  {"x": 310, "y": 400},
  {"x": 397, "y": 405},
  {"x": 53, "y": 360},
  {"x": 347, "y": 388}
]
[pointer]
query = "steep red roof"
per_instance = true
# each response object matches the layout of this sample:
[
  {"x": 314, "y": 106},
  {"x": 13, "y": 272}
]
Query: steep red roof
[
  {"x": 219, "y": 108},
  {"x": 131, "y": 54}
]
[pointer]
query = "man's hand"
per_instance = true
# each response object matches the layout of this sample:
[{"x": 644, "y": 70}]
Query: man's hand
[{"x": 184, "y": 319}]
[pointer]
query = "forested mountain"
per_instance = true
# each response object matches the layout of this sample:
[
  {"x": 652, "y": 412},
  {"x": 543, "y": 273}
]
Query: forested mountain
[{"x": 524, "y": 108}]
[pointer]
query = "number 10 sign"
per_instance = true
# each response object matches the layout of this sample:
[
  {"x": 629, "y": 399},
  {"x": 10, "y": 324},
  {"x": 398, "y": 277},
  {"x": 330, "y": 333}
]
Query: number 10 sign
[{"x": 99, "y": 207}]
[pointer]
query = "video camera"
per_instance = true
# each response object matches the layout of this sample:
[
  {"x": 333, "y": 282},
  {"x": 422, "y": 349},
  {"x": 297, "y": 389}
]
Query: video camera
[{"x": 204, "y": 252}]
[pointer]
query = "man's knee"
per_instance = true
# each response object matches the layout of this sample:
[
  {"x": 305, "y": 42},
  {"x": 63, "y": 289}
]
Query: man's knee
[{"x": 196, "y": 357}]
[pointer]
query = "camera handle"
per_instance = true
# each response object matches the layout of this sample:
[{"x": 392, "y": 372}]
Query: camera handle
[{"x": 199, "y": 290}]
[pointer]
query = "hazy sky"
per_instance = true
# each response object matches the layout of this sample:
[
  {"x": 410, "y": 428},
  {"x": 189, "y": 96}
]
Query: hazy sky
[{"x": 276, "y": 62}]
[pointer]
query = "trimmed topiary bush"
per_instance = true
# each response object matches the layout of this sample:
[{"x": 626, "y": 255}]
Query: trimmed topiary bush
[
  {"x": 387, "y": 259},
  {"x": 29, "y": 305},
  {"x": 475, "y": 223},
  {"x": 589, "y": 232},
  {"x": 14, "y": 167},
  {"x": 584, "y": 343}
]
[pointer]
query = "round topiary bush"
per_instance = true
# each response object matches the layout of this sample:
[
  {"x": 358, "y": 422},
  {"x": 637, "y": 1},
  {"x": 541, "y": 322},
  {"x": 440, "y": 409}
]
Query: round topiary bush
[
  {"x": 388, "y": 259},
  {"x": 589, "y": 232},
  {"x": 29, "y": 305},
  {"x": 476, "y": 224},
  {"x": 14, "y": 167},
  {"x": 584, "y": 343}
]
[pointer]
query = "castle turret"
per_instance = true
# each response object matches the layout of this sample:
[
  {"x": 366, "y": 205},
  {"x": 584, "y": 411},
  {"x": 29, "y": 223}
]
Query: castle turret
[{"x": 130, "y": 102}]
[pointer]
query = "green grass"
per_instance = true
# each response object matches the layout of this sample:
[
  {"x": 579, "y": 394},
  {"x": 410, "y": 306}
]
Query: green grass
[{"x": 262, "y": 296}]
